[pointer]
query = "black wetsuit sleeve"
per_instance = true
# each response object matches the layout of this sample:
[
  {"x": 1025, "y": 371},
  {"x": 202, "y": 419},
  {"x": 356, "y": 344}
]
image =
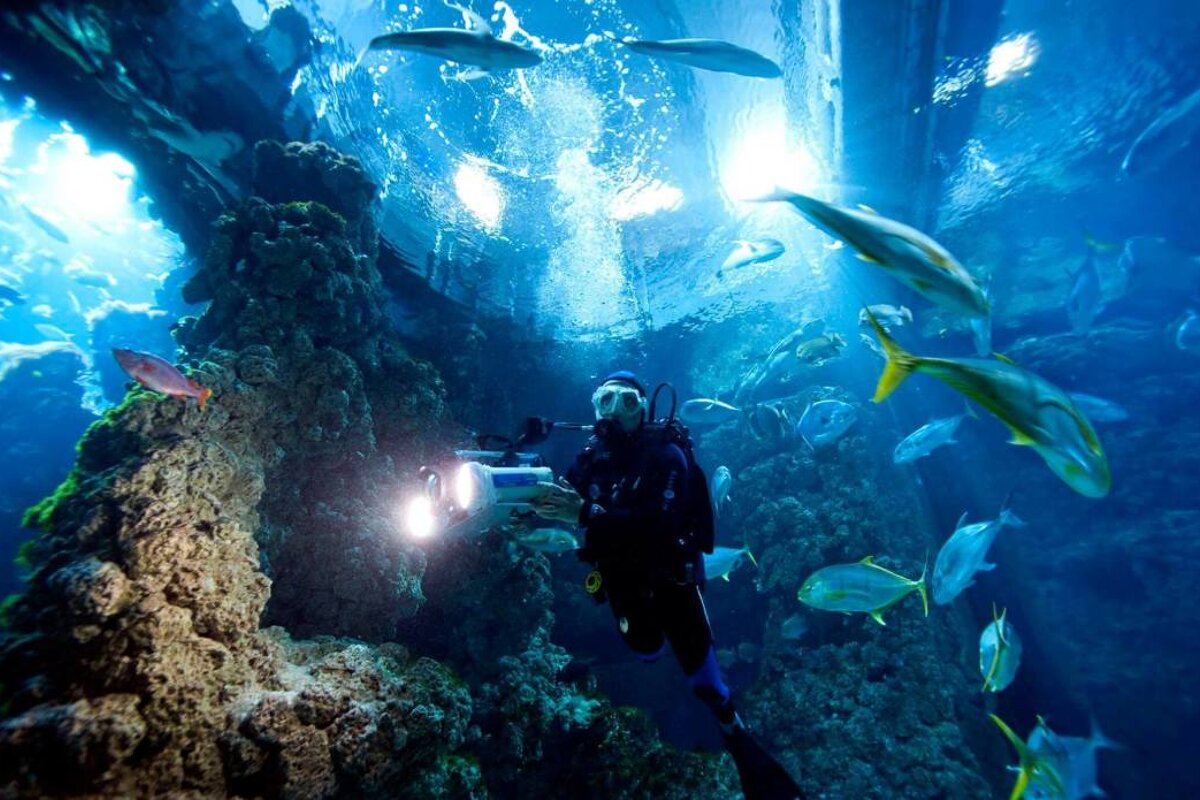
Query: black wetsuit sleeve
[{"x": 653, "y": 518}]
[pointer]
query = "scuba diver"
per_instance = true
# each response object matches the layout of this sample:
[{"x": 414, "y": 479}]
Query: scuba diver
[{"x": 647, "y": 520}]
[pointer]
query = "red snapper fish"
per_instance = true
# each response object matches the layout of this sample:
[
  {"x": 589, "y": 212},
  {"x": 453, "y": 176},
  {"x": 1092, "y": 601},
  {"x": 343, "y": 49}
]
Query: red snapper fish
[{"x": 158, "y": 374}]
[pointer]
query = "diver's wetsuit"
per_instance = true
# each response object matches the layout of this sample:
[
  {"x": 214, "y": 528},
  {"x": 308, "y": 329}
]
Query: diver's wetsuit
[{"x": 635, "y": 501}]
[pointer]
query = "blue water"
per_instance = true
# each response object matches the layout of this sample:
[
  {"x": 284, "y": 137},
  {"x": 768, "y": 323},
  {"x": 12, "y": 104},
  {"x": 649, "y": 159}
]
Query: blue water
[{"x": 579, "y": 213}]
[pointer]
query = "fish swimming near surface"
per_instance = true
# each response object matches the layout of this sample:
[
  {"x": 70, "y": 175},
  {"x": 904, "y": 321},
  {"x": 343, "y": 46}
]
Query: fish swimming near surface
[
  {"x": 863, "y": 587},
  {"x": 10, "y": 295},
  {"x": 477, "y": 47},
  {"x": 1186, "y": 333},
  {"x": 999, "y": 653},
  {"x": 825, "y": 421},
  {"x": 46, "y": 226},
  {"x": 722, "y": 482},
  {"x": 747, "y": 252},
  {"x": 889, "y": 317},
  {"x": 85, "y": 275},
  {"x": 1039, "y": 414},
  {"x": 1097, "y": 409},
  {"x": 965, "y": 553},
  {"x": 929, "y": 437},
  {"x": 1171, "y": 132},
  {"x": 52, "y": 332},
  {"x": 905, "y": 253},
  {"x": 704, "y": 411},
  {"x": 547, "y": 540},
  {"x": 43, "y": 310},
  {"x": 155, "y": 372},
  {"x": 724, "y": 560},
  {"x": 713, "y": 55}
]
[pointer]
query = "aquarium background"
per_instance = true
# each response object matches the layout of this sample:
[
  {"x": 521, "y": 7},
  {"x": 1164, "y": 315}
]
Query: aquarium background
[{"x": 226, "y": 602}]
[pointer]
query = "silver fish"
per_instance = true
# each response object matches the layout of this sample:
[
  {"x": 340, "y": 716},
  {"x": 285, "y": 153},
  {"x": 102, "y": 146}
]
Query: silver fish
[
  {"x": 547, "y": 540},
  {"x": 864, "y": 587},
  {"x": 905, "y": 253},
  {"x": 1071, "y": 760},
  {"x": 1083, "y": 304},
  {"x": 1171, "y": 132},
  {"x": 747, "y": 252},
  {"x": 999, "y": 653},
  {"x": 722, "y": 481},
  {"x": 703, "y": 411},
  {"x": 724, "y": 560},
  {"x": 888, "y": 316},
  {"x": 477, "y": 47},
  {"x": 1187, "y": 333},
  {"x": 714, "y": 55},
  {"x": 965, "y": 553},
  {"x": 927, "y": 438},
  {"x": 825, "y": 421},
  {"x": 1097, "y": 409}
]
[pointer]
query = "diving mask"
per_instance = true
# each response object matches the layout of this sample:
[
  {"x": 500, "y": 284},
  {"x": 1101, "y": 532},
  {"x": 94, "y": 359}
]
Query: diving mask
[{"x": 617, "y": 400}]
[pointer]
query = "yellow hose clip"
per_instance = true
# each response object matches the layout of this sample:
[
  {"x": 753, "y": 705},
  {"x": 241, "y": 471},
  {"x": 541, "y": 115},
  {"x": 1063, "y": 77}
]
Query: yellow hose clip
[{"x": 592, "y": 582}]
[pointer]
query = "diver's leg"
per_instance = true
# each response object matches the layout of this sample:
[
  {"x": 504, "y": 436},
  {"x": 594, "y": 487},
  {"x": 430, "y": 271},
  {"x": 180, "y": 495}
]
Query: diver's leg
[
  {"x": 637, "y": 622},
  {"x": 685, "y": 621}
]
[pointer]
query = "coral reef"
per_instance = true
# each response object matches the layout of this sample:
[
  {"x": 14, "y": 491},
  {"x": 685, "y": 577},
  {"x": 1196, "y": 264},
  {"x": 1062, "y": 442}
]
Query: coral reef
[{"x": 135, "y": 663}]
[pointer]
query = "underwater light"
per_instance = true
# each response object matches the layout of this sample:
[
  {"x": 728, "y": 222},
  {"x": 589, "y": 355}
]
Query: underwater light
[
  {"x": 82, "y": 185},
  {"x": 480, "y": 193},
  {"x": 762, "y": 159},
  {"x": 466, "y": 487},
  {"x": 1010, "y": 58},
  {"x": 420, "y": 517}
]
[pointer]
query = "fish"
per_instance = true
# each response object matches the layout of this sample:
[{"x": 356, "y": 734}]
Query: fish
[
  {"x": 1171, "y": 132},
  {"x": 747, "y": 252},
  {"x": 768, "y": 421},
  {"x": 778, "y": 362},
  {"x": 1032, "y": 766},
  {"x": 981, "y": 335},
  {"x": 905, "y": 253},
  {"x": 84, "y": 275},
  {"x": 47, "y": 227},
  {"x": 1186, "y": 334},
  {"x": 547, "y": 540},
  {"x": 724, "y": 560},
  {"x": 1054, "y": 767},
  {"x": 825, "y": 421},
  {"x": 871, "y": 345},
  {"x": 722, "y": 481},
  {"x": 43, "y": 310},
  {"x": 52, "y": 332},
  {"x": 965, "y": 553},
  {"x": 1039, "y": 414},
  {"x": 1084, "y": 301},
  {"x": 1097, "y": 409},
  {"x": 999, "y": 653},
  {"x": 817, "y": 351},
  {"x": 714, "y": 55},
  {"x": 863, "y": 587},
  {"x": 155, "y": 372},
  {"x": 929, "y": 437},
  {"x": 477, "y": 46},
  {"x": 794, "y": 627},
  {"x": 888, "y": 316},
  {"x": 1073, "y": 759},
  {"x": 704, "y": 411},
  {"x": 10, "y": 295}
]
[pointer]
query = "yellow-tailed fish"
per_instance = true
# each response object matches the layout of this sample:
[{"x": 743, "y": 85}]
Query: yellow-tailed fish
[
  {"x": 905, "y": 253},
  {"x": 863, "y": 587},
  {"x": 999, "y": 653},
  {"x": 1030, "y": 765},
  {"x": 1039, "y": 414}
]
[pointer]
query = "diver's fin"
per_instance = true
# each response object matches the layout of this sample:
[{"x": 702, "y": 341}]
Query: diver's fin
[{"x": 762, "y": 777}]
